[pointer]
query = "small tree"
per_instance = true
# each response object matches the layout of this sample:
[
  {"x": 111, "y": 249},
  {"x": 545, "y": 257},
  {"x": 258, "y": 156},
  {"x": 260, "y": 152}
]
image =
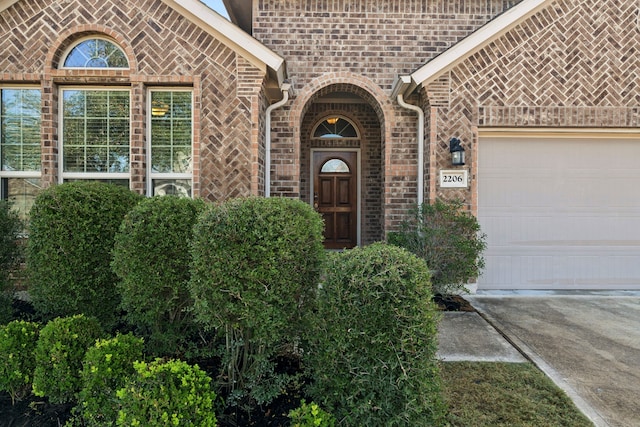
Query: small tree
[
  {"x": 10, "y": 227},
  {"x": 72, "y": 227},
  {"x": 373, "y": 340},
  {"x": 256, "y": 264},
  {"x": 152, "y": 258},
  {"x": 449, "y": 239}
]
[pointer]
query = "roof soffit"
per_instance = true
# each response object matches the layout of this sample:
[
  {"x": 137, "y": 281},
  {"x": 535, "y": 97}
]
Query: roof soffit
[{"x": 241, "y": 13}]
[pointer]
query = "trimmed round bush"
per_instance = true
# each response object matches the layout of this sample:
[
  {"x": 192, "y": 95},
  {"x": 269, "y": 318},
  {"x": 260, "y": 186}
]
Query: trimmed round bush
[
  {"x": 60, "y": 351},
  {"x": 10, "y": 228},
  {"x": 18, "y": 341},
  {"x": 72, "y": 228},
  {"x": 171, "y": 393},
  {"x": 449, "y": 239},
  {"x": 106, "y": 368},
  {"x": 256, "y": 265},
  {"x": 152, "y": 258},
  {"x": 372, "y": 346}
]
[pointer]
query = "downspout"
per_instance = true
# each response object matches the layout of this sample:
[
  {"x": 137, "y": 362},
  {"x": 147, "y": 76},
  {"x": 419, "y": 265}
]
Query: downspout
[
  {"x": 267, "y": 143},
  {"x": 418, "y": 110}
]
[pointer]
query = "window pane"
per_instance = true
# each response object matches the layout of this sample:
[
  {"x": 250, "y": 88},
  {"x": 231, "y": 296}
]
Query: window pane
[
  {"x": 118, "y": 159},
  {"x": 182, "y": 159},
  {"x": 97, "y": 159},
  {"x": 96, "y": 135},
  {"x": 161, "y": 160},
  {"x": 21, "y": 192},
  {"x": 335, "y": 166},
  {"x": 74, "y": 159},
  {"x": 73, "y": 103},
  {"x": 177, "y": 187},
  {"x": 96, "y": 53},
  {"x": 20, "y": 130},
  {"x": 171, "y": 131},
  {"x": 335, "y": 127}
]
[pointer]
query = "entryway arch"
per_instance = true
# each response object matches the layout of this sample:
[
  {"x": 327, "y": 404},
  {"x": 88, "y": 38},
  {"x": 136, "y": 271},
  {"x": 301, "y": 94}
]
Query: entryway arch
[{"x": 352, "y": 202}]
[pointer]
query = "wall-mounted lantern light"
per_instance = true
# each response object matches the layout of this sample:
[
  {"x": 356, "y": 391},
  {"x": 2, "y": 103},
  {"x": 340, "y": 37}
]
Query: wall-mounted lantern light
[{"x": 457, "y": 152}]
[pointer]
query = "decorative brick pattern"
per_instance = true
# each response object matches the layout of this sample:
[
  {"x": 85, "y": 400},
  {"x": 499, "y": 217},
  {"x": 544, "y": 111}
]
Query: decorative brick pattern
[
  {"x": 360, "y": 47},
  {"x": 572, "y": 65},
  {"x": 163, "y": 48}
]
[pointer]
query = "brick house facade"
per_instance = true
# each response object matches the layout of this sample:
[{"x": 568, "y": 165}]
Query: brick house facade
[{"x": 528, "y": 81}]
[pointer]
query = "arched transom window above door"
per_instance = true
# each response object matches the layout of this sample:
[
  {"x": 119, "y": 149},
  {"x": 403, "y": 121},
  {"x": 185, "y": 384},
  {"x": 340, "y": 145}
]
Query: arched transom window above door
[
  {"x": 335, "y": 166},
  {"x": 335, "y": 127},
  {"x": 95, "y": 52}
]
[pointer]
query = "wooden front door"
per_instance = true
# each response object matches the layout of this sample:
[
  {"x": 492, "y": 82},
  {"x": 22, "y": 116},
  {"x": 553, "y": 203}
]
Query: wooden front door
[{"x": 335, "y": 196}]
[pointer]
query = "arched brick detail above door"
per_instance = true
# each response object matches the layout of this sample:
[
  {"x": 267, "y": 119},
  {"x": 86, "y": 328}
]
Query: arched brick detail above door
[
  {"x": 343, "y": 82},
  {"x": 368, "y": 101}
]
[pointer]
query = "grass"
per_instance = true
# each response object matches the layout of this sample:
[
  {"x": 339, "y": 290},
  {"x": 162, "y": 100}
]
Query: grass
[{"x": 505, "y": 394}]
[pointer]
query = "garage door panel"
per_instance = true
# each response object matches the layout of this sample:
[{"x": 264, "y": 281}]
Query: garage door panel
[{"x": 554, "y": 224}]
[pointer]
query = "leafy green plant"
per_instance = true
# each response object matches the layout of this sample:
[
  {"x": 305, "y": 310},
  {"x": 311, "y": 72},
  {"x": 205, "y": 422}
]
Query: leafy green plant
[
  {"x": 72, "y": 227},
  {"x": 106, "y": 368},
  {"x": 17, "y": 361},
  {"x": 167, "y": 393},
  {"x": 311, "y": 415},
  {"x": 256, "y": 264},
  {"x": 372, "y": 347},
  {"x": 152, "y": 258},
  {"x": 10, "y": 228},
  {"x": 59, "y": 353},
  {"x": 449, "y": 239}
]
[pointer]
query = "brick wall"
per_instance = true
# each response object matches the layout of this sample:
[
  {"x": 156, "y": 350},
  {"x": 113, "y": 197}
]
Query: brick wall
[
  {"x": 361, "y": 47},
  {"x": 573, "y": 65},
  {"x": 164, "y": 49}
]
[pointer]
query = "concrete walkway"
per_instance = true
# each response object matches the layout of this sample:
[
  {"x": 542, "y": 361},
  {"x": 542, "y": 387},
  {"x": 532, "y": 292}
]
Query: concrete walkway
[{"x": 588, "y": 344}]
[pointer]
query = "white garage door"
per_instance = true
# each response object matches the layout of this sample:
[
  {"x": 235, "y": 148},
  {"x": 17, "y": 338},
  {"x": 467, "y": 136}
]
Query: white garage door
[{"x": 560, "y": 212}]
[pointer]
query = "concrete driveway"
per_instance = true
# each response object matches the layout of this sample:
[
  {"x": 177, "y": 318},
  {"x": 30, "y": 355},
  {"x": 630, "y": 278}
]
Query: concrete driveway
[{"x": 589, "y": 344}]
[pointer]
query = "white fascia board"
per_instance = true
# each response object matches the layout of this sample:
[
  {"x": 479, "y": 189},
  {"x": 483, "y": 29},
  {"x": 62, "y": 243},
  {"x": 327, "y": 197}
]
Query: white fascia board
[
  {"x": 231, "y": 35},
  {"x": 5, "y": 4},
  {"x": 477, "y": 40}
]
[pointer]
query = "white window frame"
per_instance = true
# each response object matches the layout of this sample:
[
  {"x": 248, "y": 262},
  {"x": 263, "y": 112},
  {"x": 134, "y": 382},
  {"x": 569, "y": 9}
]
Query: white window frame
[
  {"x": 84, "y": 39},
  {"x": 62, "y": 175},
  {"x": 151, "y": 176},
  {"x": 22, "y": 174}
]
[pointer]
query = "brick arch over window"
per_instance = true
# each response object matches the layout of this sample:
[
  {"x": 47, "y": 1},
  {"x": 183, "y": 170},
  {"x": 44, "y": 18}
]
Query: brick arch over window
[
  {"x": 343, "y": 82},
  {"x": 71, "y": 35}
]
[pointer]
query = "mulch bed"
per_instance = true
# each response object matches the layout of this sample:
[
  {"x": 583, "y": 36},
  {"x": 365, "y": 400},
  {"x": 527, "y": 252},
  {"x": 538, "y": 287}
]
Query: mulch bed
[{"x": 38, "y": 412}]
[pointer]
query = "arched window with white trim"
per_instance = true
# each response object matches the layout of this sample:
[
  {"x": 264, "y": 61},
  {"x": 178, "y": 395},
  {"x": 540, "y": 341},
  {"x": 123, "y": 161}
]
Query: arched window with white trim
[{"x": 95, "y": 52}]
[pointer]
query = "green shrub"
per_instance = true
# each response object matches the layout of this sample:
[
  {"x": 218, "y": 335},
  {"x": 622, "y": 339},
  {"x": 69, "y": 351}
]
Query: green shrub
[
  {"x": 60, "y": 351},
  {"x": 17, "y": 360},
  {"x": 72, "y": 227},
  {"x": 152, "y": 259},
  {"x": 311, "y": 415},
  {"x": 372, "y": 347},
  {"x": 449, "y": 239},
  {"x": 163, "y": 394},
  {"x": 106, "y": 368},
  {"x": 10, "y": 228},
  {"x": 256, "y": 264}
]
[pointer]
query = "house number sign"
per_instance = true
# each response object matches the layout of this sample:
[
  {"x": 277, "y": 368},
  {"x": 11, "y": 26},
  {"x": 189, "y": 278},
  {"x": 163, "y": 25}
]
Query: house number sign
[{"x": 454, "y": 178}]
